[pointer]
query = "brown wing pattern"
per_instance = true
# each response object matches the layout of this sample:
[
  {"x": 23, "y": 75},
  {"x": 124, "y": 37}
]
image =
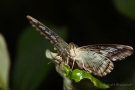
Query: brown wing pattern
[
  {"x": 45, "y": 31},
  {"x": 48, "y": 34},
  {"x": 111, "y": 51},
  {"x": 97, "y": 59}
]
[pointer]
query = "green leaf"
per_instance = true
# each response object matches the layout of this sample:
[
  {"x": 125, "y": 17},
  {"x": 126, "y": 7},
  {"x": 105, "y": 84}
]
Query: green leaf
[
  {"x": 79, "y": 75},
  {"x": 31, "y": 66},
  {"x": 4, "y": 64}
]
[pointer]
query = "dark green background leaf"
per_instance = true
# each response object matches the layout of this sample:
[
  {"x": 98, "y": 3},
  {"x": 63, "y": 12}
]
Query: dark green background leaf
[
  {"x": 126, "y": 7},
  {"x": 31, "y": 66}
]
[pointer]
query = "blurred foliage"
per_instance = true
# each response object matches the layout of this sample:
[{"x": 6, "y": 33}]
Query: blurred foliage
[
  {"x": 126, "y": 7},
  {"x": 128, "y": 84},
  {"x": 4, "y": 64},
  {"x": 31, "y": 66}
]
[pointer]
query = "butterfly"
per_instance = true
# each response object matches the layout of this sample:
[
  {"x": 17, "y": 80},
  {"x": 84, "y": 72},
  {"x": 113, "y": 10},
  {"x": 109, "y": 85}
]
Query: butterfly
[{"x": 96, "y": 59}]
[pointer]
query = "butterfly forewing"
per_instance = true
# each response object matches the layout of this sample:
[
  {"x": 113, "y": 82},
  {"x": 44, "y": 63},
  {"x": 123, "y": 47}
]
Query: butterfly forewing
[
  {"x": 111, "y": 51},
  {"x": 48, "y": 33}
]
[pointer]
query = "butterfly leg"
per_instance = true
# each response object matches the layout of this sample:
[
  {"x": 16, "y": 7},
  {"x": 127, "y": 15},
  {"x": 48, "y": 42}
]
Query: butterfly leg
[
  {"x": 61, "y": 52},
  {"x": 69, "y": 56},
  {"x": 85, "y": 67},
  {"x": 49, "y": 62},
  {"x": 67, "y": 61},
  {"x": 73, "y": 63}
]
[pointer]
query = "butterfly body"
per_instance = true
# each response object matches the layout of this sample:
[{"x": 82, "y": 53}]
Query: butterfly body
[{"x": 96, "y": 59}]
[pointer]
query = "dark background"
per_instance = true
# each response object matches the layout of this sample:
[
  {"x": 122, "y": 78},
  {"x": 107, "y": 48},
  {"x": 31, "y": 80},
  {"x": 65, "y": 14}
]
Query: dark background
[{"x": 88, "y": 22}]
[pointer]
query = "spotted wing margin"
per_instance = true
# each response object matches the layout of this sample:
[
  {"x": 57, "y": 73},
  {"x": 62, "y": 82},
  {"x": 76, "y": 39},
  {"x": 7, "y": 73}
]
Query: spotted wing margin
[
  {"x": 45, "y": 31},
  {"x": 113, "y": 52}
]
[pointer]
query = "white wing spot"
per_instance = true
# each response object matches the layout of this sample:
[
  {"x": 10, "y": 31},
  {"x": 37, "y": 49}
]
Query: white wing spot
[
  {"x": 111, "y": 49},
  {"x": 114, "y": 59},
  {"x": 47, "y": 32},
  {"x": 42, "y": 27},
  {"x": 119, "y": 47},
  {"x": 33, "y": 20},
  {"x": 102, "y": 47},
  {"x": 53, "y": 37},
  {"x": 104, "y": 52}
]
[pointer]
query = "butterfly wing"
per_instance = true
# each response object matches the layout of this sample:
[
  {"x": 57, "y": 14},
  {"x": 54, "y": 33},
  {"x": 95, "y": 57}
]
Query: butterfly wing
[
  {"x": 113, "y": 52},
  {"x": 97, "y": 59},
  {"x": 48, "y": 33}
]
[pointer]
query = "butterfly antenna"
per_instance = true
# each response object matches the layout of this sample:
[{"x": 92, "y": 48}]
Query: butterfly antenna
[{"x": 49, "y": 62}]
